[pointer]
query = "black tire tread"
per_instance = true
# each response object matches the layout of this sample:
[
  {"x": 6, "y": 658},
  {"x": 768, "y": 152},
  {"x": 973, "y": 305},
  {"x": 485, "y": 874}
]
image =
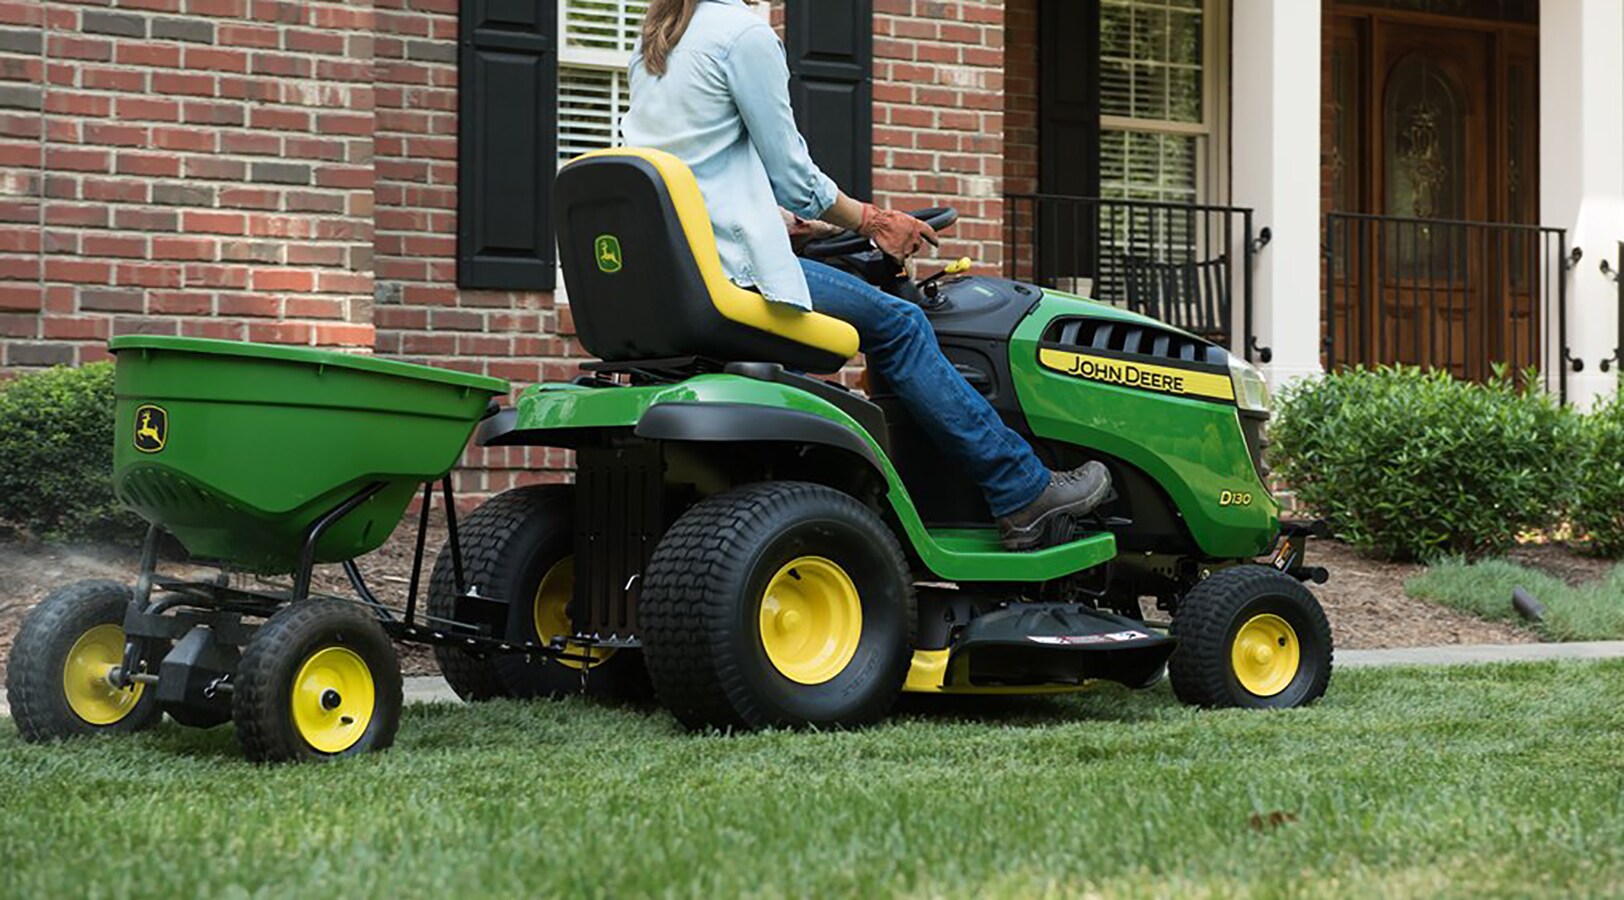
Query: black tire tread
[
  {"x": 33, "y": 678},
  {"x": 483, "y": 536},
  {"x": 254, "y": 705},
  {"x": 685, "y": 604},
  {"x": 1201, "y": 626}
]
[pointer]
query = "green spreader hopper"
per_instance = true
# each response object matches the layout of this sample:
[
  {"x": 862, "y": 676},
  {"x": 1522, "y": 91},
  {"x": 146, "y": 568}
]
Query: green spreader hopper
[{"x": 239, "y": 449}]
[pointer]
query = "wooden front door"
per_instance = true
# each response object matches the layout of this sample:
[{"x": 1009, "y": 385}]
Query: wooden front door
[{"x": 1432, "y": 140}]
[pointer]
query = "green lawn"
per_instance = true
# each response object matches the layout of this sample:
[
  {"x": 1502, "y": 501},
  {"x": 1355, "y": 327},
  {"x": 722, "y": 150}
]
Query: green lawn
[
  {"x": 1590, "y": 612},
  {"x": 1491, "y": 780}
]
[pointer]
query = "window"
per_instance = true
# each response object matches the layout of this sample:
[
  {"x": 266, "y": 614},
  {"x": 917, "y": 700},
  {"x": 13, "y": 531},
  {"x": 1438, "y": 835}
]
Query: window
[
  {"x": 595, "y": 41},
  {"x": 1156, "y": 99}
]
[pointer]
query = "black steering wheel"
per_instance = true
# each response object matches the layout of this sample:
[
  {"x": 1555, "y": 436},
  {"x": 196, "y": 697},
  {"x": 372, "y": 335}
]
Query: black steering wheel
[{"x": 848, "y": 243}]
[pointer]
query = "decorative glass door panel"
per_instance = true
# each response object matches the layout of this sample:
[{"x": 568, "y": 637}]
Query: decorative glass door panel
[{"x": 1431, "y": 129}]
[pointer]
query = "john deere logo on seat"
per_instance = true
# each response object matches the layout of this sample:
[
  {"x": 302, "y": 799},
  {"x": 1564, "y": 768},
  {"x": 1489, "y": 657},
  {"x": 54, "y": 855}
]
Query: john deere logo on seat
[
  {"x": 607, "y": 249},
  {"x": 151, "y": 429}
]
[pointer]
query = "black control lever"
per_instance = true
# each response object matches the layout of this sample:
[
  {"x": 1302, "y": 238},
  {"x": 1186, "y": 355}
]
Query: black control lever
[{"x": 932, "y": 285}]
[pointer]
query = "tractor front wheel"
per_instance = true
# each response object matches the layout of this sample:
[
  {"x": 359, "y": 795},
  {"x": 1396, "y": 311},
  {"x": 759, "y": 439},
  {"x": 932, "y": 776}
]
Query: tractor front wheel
[
  {"x": 1250, "y": 636},
  {"x": 57, "y": 677},
  {"x": 778, "y": 604}
]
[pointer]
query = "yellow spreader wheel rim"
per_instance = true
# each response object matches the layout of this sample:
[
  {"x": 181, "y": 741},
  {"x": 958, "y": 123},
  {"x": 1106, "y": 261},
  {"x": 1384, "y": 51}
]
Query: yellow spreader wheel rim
[
  {"x": 84, "y": 677},
  {"x": 552, "y": 614},
  {"x": 333, "y": 699},
  {"x": 811, "y": 620},
  {"x": 1266, "y": 655}
]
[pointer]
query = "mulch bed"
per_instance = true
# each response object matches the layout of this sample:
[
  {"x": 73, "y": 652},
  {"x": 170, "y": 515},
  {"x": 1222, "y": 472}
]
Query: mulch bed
[{"x": 1365, "y": 598}]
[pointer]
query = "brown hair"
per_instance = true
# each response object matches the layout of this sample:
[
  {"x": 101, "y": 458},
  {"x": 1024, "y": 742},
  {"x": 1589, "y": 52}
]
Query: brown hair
[{"x": 666, "y": 23}]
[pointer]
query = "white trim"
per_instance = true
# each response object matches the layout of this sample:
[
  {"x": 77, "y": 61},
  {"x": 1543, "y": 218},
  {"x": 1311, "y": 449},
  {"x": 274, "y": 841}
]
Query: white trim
[
  {"x": 1581, "y": 182},
  {"x": 578, "y": 58},
  {"x": 1276, "y": 154},
  {"x": 1154, "y": 126}
]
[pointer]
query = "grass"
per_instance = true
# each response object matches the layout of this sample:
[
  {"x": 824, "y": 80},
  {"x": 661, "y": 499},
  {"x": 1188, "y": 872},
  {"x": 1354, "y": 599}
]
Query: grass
[
  {"x": 1590, "y": 612},
  {"x": 1501, "y": 780}
]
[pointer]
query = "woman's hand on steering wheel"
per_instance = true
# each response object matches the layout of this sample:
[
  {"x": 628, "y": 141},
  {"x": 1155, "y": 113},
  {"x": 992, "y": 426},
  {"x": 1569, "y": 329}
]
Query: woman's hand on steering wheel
[
  {"x": 898, "y": 234},
  {"x": 851, "y": 243}
]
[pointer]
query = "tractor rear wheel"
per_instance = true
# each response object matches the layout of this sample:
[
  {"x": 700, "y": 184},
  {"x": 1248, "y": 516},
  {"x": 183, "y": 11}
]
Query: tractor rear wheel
[
  {"x": 1250, "y": 636},
  {"x": 519, "y": 548},
  {"x": 778, "y": 604},
  {"x": 318, "y": 681},
  {"x": 56, "y": 678}
]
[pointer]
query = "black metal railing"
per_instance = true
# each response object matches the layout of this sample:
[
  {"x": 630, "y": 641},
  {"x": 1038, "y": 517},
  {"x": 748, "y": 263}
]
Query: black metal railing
[
  {"x": 1468, "y": 297},
  {"x": 1189, "y": 265},
  {"x": 1616, "y": 273}
]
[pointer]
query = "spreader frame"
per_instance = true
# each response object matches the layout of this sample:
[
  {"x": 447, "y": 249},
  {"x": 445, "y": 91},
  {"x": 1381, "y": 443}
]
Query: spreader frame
[{"x": 166, "y": 608}]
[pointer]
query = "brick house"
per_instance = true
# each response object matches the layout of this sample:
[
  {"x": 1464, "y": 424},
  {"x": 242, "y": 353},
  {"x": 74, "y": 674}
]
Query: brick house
[{"x": 369, "y": 175}]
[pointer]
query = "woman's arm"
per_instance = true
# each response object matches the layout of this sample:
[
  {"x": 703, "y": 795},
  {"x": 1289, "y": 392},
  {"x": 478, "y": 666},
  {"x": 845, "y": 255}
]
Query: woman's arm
[{"x": 758, "y": 78}]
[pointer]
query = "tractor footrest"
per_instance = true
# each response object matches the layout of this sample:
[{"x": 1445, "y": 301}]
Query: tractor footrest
[{"x": 1051, "y": 643}]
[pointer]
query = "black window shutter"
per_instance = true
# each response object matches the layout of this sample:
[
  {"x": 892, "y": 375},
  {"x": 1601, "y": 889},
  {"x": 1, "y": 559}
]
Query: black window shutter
[
  {"x": 507, "y": 144},
  {"x": 831, "y": 64},
  {"x": 1068, "y": 133}
]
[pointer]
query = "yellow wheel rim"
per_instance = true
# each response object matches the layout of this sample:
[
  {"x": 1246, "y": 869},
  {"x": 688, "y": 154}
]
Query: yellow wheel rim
[
  {"x": 552, "y": 614},
  {"x": 1266, "y": 655},
  {"x": 811, "y": 620},
  {"x": 84, "y": 677},
  {"x": 333, "y": 699}
]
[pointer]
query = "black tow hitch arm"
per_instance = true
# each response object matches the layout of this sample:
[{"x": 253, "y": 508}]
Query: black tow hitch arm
[{"x": 1291, "y": 549}]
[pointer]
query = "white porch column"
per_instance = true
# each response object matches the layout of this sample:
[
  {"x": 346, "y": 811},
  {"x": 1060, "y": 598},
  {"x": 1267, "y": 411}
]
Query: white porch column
[
  {"x": 1276, "y": 164},
  {"x": 1581, "y": 158}
]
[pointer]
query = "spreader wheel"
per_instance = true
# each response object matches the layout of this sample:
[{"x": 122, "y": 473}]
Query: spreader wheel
[
  {"x": 1250, "y": 636},
  {"x": 319, "y": 680},
  {"x": 519, "y": 548},
  {"x": 57, "y": 677},
  {"x": 778, "y": 604}
]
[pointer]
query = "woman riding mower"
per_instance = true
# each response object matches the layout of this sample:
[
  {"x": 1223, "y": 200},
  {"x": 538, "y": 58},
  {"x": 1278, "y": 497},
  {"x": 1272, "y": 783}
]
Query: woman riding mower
[{"x": 710, "y": 85}]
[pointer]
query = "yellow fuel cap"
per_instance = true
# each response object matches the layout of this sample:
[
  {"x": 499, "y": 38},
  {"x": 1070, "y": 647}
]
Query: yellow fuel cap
[{"x": 960, "y": 266}]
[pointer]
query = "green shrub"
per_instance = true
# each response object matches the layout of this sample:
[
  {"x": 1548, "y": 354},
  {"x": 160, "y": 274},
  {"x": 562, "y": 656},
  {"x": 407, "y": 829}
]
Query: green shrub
[
  {"x": 56, "y": 456},
  {"x": 1413, "y": 465},
  {"x": 1598, "y": 506}
]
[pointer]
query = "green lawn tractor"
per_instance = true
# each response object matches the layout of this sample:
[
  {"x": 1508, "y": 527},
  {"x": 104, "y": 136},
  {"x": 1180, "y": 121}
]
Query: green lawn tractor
[{"x": 750, "y": 544}]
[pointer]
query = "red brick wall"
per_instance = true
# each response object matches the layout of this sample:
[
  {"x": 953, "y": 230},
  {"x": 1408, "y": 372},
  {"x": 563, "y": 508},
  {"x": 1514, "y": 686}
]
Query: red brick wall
[
  {"x": 939, "y": 116},
  {"x": 266, "y": 170},
  {"x": 285, "y": 171},
  {"x": 1021, "y": 123},
  {"x": 22, "y": 71},
  {"x": 200, "y": 167},
  {"x": 421, "y": 314},
  {"x": 1021, "y": 97}
]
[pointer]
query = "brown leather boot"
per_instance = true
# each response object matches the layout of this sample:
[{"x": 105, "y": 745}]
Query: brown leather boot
[{"x": 1074, "y": 493}]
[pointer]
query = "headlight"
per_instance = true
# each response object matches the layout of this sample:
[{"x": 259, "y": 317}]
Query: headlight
[{"x": 1251, "y": 390}]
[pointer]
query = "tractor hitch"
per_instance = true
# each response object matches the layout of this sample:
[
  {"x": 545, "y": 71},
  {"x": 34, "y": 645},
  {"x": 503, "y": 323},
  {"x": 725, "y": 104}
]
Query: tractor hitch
[{"x": 1291, "y": 549}]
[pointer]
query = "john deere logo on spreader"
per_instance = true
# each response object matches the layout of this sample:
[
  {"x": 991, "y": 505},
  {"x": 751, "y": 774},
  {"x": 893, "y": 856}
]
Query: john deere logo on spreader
[
  {"x": 151, "y": 429},
  {"x": 607, "y": 249}
]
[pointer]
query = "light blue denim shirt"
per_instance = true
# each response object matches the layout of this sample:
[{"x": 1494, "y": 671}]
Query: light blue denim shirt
[{"x": 723, "y": 108}]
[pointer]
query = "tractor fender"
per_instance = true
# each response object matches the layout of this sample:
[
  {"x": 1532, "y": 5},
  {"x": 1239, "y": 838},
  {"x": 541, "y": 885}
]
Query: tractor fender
[{"x": 725, "y": 422}]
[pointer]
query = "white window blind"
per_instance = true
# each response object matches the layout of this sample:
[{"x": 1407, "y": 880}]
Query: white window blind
[
  {"x": 1155, "y": 115},
  {"x": 594, "y": 45}
]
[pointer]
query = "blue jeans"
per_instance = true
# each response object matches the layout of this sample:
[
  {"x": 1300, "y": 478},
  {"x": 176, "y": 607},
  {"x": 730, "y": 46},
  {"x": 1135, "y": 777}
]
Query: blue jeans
[{"x": 900, "y": 345}]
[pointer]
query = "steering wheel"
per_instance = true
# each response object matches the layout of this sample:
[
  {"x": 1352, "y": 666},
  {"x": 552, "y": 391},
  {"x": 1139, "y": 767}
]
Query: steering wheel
[{"x": 848, "y": 243}]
